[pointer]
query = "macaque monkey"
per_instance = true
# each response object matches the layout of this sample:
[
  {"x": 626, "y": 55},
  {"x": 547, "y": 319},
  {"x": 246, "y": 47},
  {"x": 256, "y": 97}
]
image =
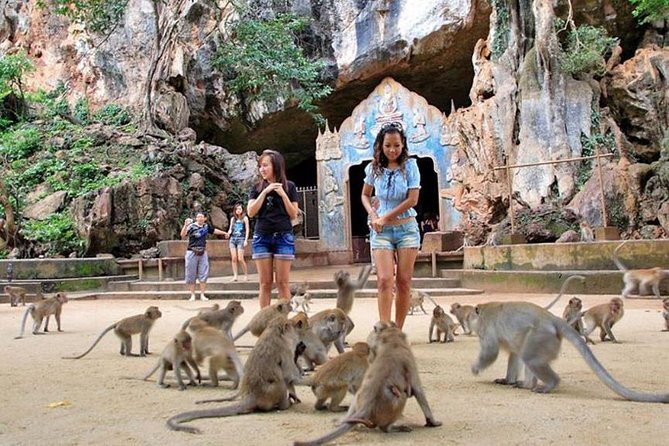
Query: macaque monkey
[
  {"x": 465, "y": 315},
  {"x": 665, "y": 313},
  {"x": 202, "y": 310},
  {"x": 342, "y": 373},
  {"x": 177, "y": 356},
  {"x": 443, "y": 323},
  {"x": 313, "y": 351},
  {"x": 532, "y": 336},
  {"x": 139, "y": 324},
  {"x": 603, "y": 316},
  {"x": 586, "y": 232},
  {"x": 221, "y": 319},
  {"x": 330, "y": 326},
  {"x": 416, "y": 302},
  {"x": 573, "y": 314},
  {"x": 301, "y": 301},
  {"x": 390, "y": 380},
  {"x": 264, "y": 317},
  {"x": 212, "y": 343},
  {"x": 346, "y": 288},
  {"x": 43, "y": 309},
  {"x": 16, "y": 293},
  {"x": 643, "y": 279},
  {"x": 269, "y": 378},
  {"x": 297, "y": 289}
]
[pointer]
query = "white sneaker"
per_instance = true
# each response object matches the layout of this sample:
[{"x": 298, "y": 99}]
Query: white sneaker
[
  {"x": 192, "y": 298},
  {"x": 203, "y": 297}
]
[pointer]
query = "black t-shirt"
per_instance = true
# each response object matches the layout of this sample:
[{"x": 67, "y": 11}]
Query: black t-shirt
[
  {"x": 197, "y": 235},
  {"x": 272, "y": 216}
]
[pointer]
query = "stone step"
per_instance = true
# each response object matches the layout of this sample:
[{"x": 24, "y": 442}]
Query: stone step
[
  {"x": 251, "y": 285},
  {"x": 245, "y": 294},
  {"x": 69, "y": 284}
]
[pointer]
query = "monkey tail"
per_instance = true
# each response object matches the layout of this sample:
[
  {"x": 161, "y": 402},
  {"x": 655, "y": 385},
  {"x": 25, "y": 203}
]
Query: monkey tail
[
  {"x": 632, "y": 395},
  {"x": 341, "y": 430},
  {"x": 25, "y": 317},
  {"x": 434, "y": 302},
  {"x": 563, "y": 288},
  {"x": 104, "y": 332},
  {"x": 153, "y": 370},
  {"x": 221, "y": 400},
  {"x": 175, "y": 422},
  {"x": 240, "y": 334},
  {"x": 185, "y": 324},
  {"x": 616, "y": 259}
]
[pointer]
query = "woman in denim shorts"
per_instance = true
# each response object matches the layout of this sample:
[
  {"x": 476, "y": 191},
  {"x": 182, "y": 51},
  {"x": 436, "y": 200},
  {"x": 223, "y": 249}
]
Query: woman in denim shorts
[
  {"x": 395, "y": 179},
  {"x": 273, "y": 202},
  {"x": 239, "y": 236}
]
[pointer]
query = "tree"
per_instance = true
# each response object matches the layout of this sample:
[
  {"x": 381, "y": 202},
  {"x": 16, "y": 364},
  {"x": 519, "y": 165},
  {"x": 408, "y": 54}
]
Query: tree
[
  {"x": 13, "y": 68},
  {"x": 650, "y": 10}
]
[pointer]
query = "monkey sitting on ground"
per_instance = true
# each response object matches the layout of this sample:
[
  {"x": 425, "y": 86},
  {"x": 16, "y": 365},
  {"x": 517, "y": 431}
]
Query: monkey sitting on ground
[
  {"x": 443, "y": 324},
  {"x": 603, "y": 316},
  {"x": 330, "y": 326},
  {"x": 212, "y": 343},
  {"x": 532, "y": 336},
  {"x": 264, "y": 317},
  {"x": 335, "y": 377},
  {"x": 43, "y": 309},
  {"x": 573, "y": 314},
  {"x": 643, "y": 279},
  {"x": 586, "y": 232},
  {"x": 346, "y": 288},
  {"x": 177, "y": 356},
  {"x": 465, "y": 315},
  {"x": 665, "y": 313},
  {"x": 16, "y": 293},
  {"x": 269, "y": 378},
  {"x": 221, "y": 319},
  {"x": 139, "y": 324},
  {"x": 313, "y": 351},
  {"x": 391, "y": 379}
]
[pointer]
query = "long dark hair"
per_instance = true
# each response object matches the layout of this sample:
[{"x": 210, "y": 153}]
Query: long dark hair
[
  {"x": 380, "y": 160},
  {"x": 234, "y": 211},
  {"x": 278, "y": 168}
]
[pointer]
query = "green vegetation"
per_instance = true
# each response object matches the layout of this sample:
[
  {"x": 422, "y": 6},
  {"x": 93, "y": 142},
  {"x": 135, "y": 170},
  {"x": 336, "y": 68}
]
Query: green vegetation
[
  {"x": 58, "y": 231},
  {"x": 584, "y": 48},
  {"x": 13, "y": 68},
  {"x": 647, "y": 11},
  {"x": 502, "y": 22},
  {"x": 263, "y": 61},
  {"x": 99, "y": 16},
  {"x": 590, "y": 144},
  {"x": 112, "y": 114}
]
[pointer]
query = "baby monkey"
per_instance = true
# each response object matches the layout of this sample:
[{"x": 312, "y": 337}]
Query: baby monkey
[
  {"x": 443, "y": 323},
  {"x": 177, "y": 355}
]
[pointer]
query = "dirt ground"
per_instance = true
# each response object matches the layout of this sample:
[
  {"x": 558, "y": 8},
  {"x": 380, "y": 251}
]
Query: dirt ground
[{"x": 99, "y": 407}]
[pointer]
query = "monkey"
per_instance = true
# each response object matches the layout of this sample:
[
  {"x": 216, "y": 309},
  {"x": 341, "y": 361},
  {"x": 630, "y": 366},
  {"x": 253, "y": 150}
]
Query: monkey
[
  {"x": 665, "y": 313},
  {"x": 262, "y": 318},
  {"x": 389, "y": 381},
  {"x": 563, "y": 289},
  {"x": 298, "y": 289},
  {"x": 202, "y": 310},
  {"x": 417, "y": 300},
  {"x": 640, "y": 278},
  {"x": 301, "y": 301},
  {"x": 465, "y": 315},
  {"x": 330, "y": 326},
  {"x": 586, "y": 232},
  {"x": 573, "y": 314},
  {"x": 177, "y": 356},
  {"x": 139, "y": 324},
  {"x": 342, "y": 373},
  {"x": 603, "y": 316},
  {"x": 373, "y": 337},
  {"x": 346, "y": 288},
  {"x": 44, "y": 309},
  {"x": 532, "y": 335},
  {"x": 221, "y": 319},
  {"x": 268, "y": 382},
  {"x": 444, "y": 324},
  {"x": 313, "y": 352},
  {"x": 16, "y": 293},
  {"x": 212, "y": 343}
]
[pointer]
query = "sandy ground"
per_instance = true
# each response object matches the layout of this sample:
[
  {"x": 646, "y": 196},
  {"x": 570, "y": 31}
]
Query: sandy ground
[{"x": 102, "y": 408}]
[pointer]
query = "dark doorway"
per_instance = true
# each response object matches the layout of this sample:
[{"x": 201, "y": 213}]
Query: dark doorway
[{"x": 428, "y": 204}]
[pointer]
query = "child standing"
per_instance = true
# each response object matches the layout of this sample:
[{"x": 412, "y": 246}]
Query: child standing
[{"x": 239, "y": 237}]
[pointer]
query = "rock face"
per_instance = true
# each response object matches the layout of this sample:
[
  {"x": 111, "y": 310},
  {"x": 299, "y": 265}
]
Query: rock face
[{"x": 46, "y": 206}]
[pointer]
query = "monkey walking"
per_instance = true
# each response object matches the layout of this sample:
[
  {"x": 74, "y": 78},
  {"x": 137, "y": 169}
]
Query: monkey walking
[
  {"x": 641, "y": 279},
  {"x": 603, "y": 316},
  {"x": 269, "y": 379},
  {"x": 139, "y": 324},
  {"x": 532, "y": 335},
  {"x": 264, "y": 317},
  {"x": 222, "y": 319},
  {"x": 16, "y": 293},
  {"x": 392, "y": 377},
  {"x": 41, "y": 310},
  {"x": 465, "y": 315},
  {"x": 176, "y": 356}
]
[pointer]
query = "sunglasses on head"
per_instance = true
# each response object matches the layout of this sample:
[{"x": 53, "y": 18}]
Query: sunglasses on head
[{"x": 392, "y": 126}]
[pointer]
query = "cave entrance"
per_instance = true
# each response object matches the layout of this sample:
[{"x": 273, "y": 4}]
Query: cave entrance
[{"x": 428, "y": 204}]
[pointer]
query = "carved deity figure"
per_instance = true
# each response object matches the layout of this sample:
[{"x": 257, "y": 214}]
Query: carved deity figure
[
  {"x": 360, "y": 141},
  {"x": 331, "y": 196},
  {"x": 419, "y": 124}
]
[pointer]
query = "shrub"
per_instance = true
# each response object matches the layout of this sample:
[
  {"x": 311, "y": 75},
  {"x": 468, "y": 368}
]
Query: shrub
[
  {"x": 112, "y": 114},
  {"x": 584, "y": 49},
  {"x": 58, "y": 232},
  {"x": 20, "y": 143}
]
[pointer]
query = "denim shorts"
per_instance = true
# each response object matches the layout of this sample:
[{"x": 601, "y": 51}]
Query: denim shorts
[
  {"x": 237, "y": 242},
  {"x": 394, "y": 237},
  {"x": 280, "y": 245},
  {"x": 197, "y": 267}
]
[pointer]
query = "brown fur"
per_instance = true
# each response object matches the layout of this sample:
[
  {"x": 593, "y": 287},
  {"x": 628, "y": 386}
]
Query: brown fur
[
  {"x": 212, "y": 343},
  {"x": 330, "y": 326},
  {"x": 177, "y": 356},
  {"x": 443, "y": 323},
  {"x": 221, "y": 319},
  {"x": 465, "y": 315},
  {"x": 43, "y": 309},
  {"x": 139, "y": 324},
  {"x": 264, "y": 317},
  {"x": 603, "y": 316},
  {"x": 665, "y": 313},
  {"x": 16, "y": 293},
  {"x": 314, "y": 352},
  {"x": 641, "y": 279}
]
